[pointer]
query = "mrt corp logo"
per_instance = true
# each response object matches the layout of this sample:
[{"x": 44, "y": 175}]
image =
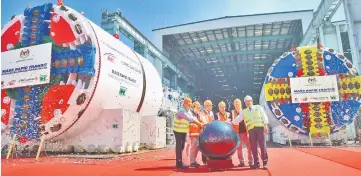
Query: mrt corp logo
[
  {"x": 122, "y": 91},
  {"x": 110, "y": 57},
  {"x": 312, "y": 80},
  {"x": 24, "y": 53},
  {"x": 43, "y": 78}
]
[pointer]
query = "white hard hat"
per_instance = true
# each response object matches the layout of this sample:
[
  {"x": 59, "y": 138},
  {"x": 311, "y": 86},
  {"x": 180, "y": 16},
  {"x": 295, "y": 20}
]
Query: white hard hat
[{"x": 247, "y": 98}]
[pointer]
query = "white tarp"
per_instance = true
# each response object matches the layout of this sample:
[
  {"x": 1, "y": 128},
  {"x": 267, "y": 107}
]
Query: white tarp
[
  {"x": 26, "y": 66},
  {"x": 314, "y": 89}
]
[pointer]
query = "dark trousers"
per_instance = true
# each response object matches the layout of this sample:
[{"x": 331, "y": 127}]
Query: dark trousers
[
  {"x": 180, "y": 140},
  {"x": 257, "y": 136},
  {"x": 204, "y": 159}
]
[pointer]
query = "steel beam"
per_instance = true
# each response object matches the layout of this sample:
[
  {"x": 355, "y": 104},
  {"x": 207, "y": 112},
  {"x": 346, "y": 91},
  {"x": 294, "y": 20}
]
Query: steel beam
[
  {"x": 235, "y": 40},
  {"x": 352, "y": 13},
  {"x": 233, "y": 53},
  {"x": 266, "y": 62},
  {"x": 326, "y": 10}
]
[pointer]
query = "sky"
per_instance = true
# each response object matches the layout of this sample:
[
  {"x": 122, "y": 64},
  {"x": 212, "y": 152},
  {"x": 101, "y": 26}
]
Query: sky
[{"x": 147, "y": 15}]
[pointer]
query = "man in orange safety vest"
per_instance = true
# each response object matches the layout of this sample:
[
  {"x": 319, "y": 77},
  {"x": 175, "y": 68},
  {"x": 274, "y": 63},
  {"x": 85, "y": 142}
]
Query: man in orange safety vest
[
  {"x": 194, "y": 131},
  {"x": 206, "y": 116}
]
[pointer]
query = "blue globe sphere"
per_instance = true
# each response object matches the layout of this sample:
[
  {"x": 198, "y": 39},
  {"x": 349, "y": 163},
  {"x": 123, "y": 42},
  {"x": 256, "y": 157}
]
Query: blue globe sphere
[{"x": 218, "y": 140}]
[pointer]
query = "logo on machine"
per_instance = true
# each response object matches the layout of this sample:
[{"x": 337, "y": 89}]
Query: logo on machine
[
  {"x": 11, "y": 83},
  {"x": 122, "y": 91},
  {"x": 24, "y": 53},
  {"x": 110, "y": 57},
  {"x": 42, "y": 78},
  {"x": 28, "y": 80},
  {"x": 312, "y": 80}
]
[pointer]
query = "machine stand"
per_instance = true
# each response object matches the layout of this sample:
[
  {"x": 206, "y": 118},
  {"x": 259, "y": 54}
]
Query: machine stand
[{"x": 219, "y": 164}]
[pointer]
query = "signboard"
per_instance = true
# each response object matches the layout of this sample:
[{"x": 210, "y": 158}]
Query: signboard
[
  {"x": 314, "y": 89},
  {"x": 26, "y": 66}
]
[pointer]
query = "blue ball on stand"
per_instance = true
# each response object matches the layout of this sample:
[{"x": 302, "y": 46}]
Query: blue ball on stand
[{"x": 218, "y": 140}]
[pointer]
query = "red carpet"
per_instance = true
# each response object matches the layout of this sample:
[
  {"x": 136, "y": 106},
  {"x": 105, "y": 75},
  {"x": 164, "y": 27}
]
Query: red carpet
[
  {"x": 283, "y": 162},
  {"x": 345, "y": 157}
]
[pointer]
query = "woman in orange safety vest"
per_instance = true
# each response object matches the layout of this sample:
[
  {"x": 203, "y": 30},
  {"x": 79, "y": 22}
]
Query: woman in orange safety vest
[
  {"x": 222, "y": 115},
  {"x": 241, "y": 130}
]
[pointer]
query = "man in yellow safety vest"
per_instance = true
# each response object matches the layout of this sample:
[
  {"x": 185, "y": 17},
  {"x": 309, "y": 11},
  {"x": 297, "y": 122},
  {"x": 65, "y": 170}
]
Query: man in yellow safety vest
[
  {"x": 181, "y": 128},
  {"x": 256, "y": 122}
]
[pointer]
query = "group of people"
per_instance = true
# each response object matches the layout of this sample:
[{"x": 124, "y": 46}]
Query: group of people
[{"x": 250, "y": 124}]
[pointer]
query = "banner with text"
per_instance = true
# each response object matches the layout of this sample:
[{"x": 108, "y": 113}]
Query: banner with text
[
  {"x": 314, "y": 89},
  {"x": 26, "y": 66}
]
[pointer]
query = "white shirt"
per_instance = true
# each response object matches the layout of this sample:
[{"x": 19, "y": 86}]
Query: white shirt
[
  {"x": 240, "y": 116},
  {"x": 204, "y": 117}
]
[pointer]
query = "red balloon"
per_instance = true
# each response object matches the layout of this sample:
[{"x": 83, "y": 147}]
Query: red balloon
[
  {"x": 22, "y": 139},
  {"x": 116, "y": 36}
]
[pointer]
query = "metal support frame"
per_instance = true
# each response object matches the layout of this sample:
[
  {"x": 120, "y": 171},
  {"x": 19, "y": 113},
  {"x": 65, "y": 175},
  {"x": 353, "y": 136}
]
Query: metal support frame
[
  {"x": 322, "y": 36},
  {"x": 289, "y": 139},
  {"x": 326, "y": 10},
  {"x": 250, "y": 52},
  {"x": 329, "y": 139},
  {"x": 339, "y": 41},
  {"x": 42, "y": 140},
  {"x": 354, "y": 45},
  {"x": 233, "y": 40},
  {"x": 11, "y": 147},
  {"x": 310, "y": 138},
  {"x": 266, "y": 62}
]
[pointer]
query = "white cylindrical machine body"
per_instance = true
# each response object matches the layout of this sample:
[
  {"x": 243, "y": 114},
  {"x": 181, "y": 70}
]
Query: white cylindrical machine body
[
  {"x": 122, "y": 78},
  {"x": 118, "y": 67}
]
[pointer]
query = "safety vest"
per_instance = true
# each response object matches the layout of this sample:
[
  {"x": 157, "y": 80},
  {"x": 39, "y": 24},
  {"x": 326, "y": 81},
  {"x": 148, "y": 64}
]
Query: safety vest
[
  {"x": 223, "y": 117},
  {"x": 206, "y": 118},
  {"x": 235, "y": 127},
  {"x": 238, "y": 128},
  {"x": 194, "y": 129},
  {"x": 254, "y": 118},
  {"x": 180, "y": 125}
]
